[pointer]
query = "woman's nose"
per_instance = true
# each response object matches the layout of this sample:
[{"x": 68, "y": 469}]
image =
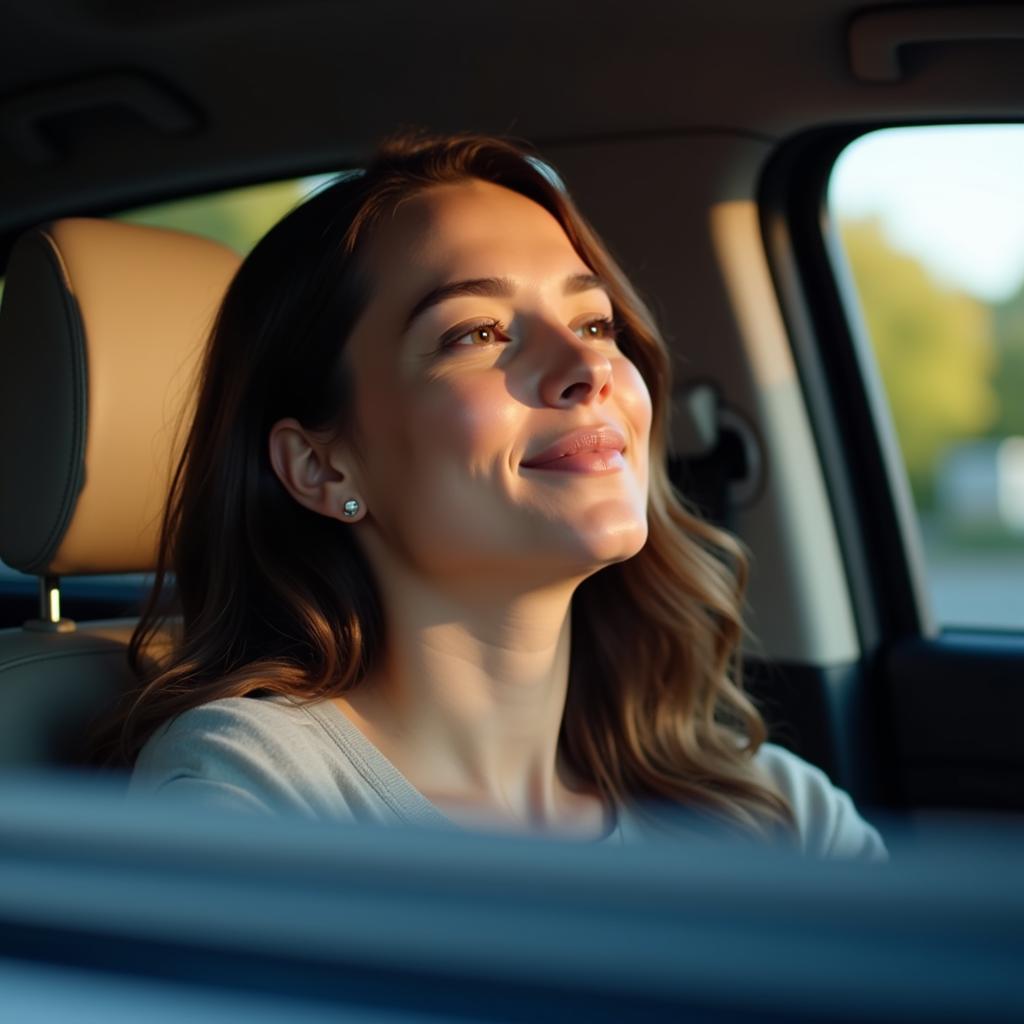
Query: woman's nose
[{"x": 574, "y": 372}]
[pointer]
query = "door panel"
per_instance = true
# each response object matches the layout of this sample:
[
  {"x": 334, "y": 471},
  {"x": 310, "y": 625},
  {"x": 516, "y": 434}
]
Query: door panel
[{"x": 944, "y": 710}]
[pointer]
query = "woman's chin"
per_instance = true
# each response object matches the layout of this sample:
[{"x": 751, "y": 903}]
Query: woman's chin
[{"x": 616, "y": 542}]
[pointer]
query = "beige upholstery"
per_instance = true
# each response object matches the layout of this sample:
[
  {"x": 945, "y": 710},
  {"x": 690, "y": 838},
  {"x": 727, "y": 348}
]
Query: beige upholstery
[{"x": 100, "y": 331}]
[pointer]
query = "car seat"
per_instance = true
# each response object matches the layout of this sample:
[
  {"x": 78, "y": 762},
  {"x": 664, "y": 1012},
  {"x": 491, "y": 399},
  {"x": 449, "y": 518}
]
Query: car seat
[{"x": 101, "y": 330}]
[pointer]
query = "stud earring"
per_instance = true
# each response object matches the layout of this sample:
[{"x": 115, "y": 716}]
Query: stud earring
[{"x": 350, "y": 508}]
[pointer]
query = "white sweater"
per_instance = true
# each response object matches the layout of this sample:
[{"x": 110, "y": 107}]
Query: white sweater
[{"x": 273, "y": 756}]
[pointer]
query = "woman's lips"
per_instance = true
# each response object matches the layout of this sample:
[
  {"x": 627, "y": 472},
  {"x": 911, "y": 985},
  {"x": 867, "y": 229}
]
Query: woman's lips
[
  {"x": 593, "y": 449},
  {"x": 604, "y": 460}
]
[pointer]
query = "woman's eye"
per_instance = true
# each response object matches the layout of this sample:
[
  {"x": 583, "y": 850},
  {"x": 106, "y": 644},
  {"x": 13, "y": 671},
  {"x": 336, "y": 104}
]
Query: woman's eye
[
  {"x": 481, "y": 334},
  {"x": 601, "y": 329}
]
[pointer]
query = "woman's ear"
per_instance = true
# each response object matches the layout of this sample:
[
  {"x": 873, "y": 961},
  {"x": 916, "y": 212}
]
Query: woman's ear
[{"x": 311, "y": 473}]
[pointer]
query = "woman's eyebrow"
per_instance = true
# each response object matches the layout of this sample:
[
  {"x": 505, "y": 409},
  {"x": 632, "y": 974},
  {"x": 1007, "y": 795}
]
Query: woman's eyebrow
[{"x": 494, "y": 287}]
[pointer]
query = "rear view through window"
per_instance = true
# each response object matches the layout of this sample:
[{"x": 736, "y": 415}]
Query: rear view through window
[
  {"x": 932, "y": 227},
  {"x": 238, "y": 218}
]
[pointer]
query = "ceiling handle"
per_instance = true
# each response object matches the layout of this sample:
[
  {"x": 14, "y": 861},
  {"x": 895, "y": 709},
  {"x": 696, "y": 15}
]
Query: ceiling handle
[{"x": 876, "y": 37}]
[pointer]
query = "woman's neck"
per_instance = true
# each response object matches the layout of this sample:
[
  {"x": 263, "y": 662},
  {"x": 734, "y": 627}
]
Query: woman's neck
[{"x": 469, "y": 699}]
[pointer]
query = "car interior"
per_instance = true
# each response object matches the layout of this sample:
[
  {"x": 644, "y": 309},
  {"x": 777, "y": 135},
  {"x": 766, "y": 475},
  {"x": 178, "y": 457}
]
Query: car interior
[
  {"x": 90, "y": 480},
  {"x": 698, "y": 139}
]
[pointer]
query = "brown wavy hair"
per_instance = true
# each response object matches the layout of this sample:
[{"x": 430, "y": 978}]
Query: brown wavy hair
[{"x": 270, "y": 597}]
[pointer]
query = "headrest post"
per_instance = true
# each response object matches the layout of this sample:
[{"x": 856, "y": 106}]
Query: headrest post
[
  {"x": 49, "y": 599},
  {"x": 49, "y": 620}
]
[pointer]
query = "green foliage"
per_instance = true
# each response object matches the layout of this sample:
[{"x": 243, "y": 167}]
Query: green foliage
[
  {"x": 238, "y": 218},
  {"x": 935, "y": 350}
]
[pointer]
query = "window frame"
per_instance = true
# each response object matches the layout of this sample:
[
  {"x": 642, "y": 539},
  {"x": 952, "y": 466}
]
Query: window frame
[{"x": 862, "y": 462}]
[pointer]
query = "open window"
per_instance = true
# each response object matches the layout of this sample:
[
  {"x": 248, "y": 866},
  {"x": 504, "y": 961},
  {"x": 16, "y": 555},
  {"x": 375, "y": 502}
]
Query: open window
[
  {"x": 883, "y": 242},
  {"x": 931, "y": 225}
]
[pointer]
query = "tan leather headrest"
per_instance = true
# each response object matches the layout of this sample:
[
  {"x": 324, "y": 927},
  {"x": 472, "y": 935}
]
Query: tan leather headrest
[{"x": 101, "y": 329}]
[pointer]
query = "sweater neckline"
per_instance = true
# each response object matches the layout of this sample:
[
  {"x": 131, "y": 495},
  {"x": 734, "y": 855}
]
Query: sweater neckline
[{"x": 380, "y": 772}]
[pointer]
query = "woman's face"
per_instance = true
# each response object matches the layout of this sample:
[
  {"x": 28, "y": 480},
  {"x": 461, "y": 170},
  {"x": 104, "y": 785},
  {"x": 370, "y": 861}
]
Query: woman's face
[{"x": 460, "y": 389}]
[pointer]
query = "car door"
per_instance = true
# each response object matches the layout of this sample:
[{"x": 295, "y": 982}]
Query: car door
[{"x": 945, "y": 672}]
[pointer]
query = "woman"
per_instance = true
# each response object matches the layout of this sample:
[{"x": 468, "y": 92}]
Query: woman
[{"x": 427, "y": 560}]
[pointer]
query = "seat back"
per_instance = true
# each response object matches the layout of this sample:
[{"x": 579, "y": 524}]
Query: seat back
[{"x": 101, "y": 331}]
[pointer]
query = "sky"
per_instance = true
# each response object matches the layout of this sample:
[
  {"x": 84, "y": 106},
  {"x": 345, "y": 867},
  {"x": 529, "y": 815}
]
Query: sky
[{"x": 951, "y": 196}]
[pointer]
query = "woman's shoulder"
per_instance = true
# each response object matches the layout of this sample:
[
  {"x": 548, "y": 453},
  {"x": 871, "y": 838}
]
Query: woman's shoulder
[
  {"x": 249, "y": 714},
  {"x": 827, "y": 822},
  {"x": 275, "y": 754},
  {"x": 266, "y": 726},
  {"x": 253, "y": 752}
]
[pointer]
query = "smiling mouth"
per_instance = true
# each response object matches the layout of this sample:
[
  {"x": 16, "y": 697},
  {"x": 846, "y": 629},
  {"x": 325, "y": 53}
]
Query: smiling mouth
[
  {"x": 601, "y": 461},
  {"x": 592, "y": 449}
]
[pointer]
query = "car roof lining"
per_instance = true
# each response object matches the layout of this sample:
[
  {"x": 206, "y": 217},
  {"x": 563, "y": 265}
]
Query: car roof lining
[{"x": 308, "y": 87}]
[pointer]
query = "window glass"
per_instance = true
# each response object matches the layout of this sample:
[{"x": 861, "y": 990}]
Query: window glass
[
  {"x": 932, "y": 225},
  {"x": 238, "y": 218}
]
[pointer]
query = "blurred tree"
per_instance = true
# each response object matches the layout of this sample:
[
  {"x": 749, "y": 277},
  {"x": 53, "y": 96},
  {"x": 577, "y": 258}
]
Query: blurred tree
[
  {"x": 238, "y": 218},
  {"x": 934, "y": 348}
]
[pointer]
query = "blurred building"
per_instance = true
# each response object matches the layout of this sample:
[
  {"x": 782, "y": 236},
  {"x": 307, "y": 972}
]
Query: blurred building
[{"x": 980, "y": 486}]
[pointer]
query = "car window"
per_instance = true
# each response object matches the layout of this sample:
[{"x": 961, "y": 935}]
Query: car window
[
  {"x": 931, "y": 221},
  {"x": 236, "y": 217}
]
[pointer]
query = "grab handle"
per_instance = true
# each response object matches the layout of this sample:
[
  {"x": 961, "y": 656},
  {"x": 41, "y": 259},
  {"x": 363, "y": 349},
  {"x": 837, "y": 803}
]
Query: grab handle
[{"x": 876, "y": 37}]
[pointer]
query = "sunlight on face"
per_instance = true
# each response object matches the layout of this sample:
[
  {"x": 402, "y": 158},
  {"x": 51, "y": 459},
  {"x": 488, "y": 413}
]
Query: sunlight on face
[{"x": 459, "y": 385}]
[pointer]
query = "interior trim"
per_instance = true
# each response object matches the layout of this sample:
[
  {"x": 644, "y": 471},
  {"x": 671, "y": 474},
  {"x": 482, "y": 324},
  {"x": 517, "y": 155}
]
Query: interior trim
[{"x": 877, "y": 37}]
